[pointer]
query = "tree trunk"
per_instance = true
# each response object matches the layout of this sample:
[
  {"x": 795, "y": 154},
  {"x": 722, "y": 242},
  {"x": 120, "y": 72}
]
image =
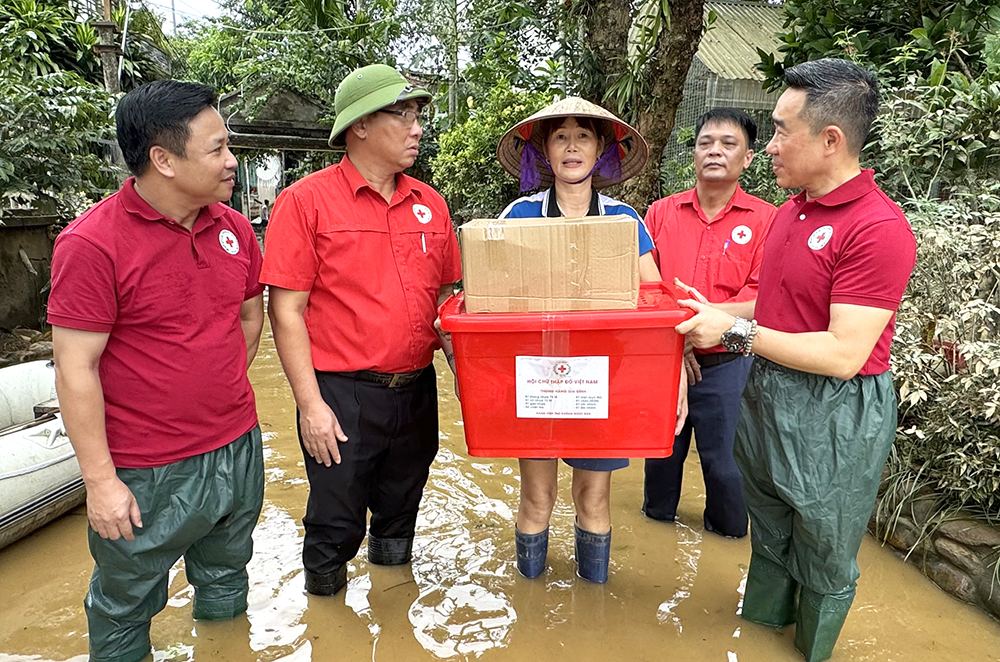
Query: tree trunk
[
  {"x": 605, "y": 33},
  {"x": 674, "y": 51}
]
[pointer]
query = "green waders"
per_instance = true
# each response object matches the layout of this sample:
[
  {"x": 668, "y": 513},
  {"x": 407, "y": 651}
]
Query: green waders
[
  {"x": 203, "y": 508},
  {"x": 811, "y": 449}
]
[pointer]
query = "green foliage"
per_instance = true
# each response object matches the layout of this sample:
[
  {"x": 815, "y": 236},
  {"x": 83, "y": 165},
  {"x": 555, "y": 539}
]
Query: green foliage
[
  {"x": 147, "y": 52},
  {"x": 759, "y": 180},
  {"x": 305, "y": 47},
  {"x": 947, "y": 357},
  {"x": 939, "y": 139},
  {"x": 49, "y": 129},
  {"x": 39, "y": 37},
  {"x": 937, "y": 149},
  {"x": 873, "y": 32},
  {"x": 466, "y": 170}
]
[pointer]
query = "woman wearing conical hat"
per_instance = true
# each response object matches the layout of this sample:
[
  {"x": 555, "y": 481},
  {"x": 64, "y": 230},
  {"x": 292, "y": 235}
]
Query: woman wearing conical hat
[{"x": 570, "y": 150}]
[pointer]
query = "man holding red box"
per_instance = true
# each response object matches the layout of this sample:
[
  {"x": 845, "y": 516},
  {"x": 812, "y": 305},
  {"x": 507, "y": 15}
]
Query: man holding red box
[
  {"x": 818, "y": 414},
  {"x": 711, "y": 237}
]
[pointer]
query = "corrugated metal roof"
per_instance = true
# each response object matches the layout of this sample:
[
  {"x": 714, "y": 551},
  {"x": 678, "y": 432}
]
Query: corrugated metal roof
[{"x": 729, "y": 48}]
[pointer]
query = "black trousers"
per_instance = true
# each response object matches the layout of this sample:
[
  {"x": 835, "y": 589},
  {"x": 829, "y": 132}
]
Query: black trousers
[
  {"x": 392, "y": 438},
  {"x": 714, "y": 408}
]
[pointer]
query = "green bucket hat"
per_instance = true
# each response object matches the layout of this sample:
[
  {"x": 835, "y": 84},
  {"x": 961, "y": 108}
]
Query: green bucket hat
[{"x": 366, "y": 90}]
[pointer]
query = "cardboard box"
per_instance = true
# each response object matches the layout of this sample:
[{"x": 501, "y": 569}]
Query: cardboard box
[{"x": 550, "y": 264}]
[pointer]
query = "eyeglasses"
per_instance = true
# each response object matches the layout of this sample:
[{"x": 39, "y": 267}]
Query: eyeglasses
[{"x": 409, "y": 116}]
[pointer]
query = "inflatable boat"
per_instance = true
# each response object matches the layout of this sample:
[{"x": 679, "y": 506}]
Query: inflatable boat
[{"x": 39, "y": 475}]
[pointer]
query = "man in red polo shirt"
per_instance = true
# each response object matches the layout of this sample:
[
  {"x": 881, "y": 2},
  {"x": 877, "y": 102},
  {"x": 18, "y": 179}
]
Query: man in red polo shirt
[
  {"x": 711, "y": 237},
  {"x": 818, "y": 414},
  {"x": 358, "y": 258},
  {"x": 156, "y": 312}
]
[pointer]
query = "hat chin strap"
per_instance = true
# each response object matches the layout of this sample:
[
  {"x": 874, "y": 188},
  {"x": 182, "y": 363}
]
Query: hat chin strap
[{"x": 608, "y": 166}]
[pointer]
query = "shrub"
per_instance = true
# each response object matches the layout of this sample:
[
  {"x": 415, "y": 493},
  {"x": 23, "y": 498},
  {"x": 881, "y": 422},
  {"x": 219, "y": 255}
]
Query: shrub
[
  {"x": 946, "y": 357},
  {"x": 466, "y": 170}
]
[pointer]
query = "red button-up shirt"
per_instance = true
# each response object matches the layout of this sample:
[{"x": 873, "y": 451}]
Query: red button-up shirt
[
  {"x": 373, "y": 269},
  {"x": 174, "y": 370},
  {"x": 851, "y": 246},
  {"x": 721, "y": 256}
]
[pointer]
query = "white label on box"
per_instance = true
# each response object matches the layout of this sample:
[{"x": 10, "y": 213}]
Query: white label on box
[{"x": 561, "y": 387}]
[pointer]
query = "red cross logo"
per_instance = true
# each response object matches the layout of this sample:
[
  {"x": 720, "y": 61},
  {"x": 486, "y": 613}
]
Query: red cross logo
[
  {"x": 423, "y": 214},
  {"x": 229, "y": 242},
  {"x": 562, "y": 369},
  {"x": 742, "y": 235},
  {"x": 820, "y": 237}
]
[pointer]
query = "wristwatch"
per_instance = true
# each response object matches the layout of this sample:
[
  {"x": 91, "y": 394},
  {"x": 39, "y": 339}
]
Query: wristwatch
[{"x": 738, "y": 339}]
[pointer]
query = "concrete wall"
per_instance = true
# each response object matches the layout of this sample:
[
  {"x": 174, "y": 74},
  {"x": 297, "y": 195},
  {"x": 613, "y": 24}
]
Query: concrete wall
[{"x": 22, "y": 301}]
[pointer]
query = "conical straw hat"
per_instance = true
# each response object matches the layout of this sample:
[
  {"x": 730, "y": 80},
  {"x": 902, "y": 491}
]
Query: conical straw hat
[{"x": 633, "y": 152}]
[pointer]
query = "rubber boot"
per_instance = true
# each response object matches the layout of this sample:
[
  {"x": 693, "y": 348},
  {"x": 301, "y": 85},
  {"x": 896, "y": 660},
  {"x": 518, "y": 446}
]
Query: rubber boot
[
  {"x": 769, "y": 598},
  {"x": 819, "y": 622},
  {"x": 593, "y": 552},
  {"x": 532, "y": 548},
  {"x": 327, "y": 584},
  {"x": 389, "y": 551}
]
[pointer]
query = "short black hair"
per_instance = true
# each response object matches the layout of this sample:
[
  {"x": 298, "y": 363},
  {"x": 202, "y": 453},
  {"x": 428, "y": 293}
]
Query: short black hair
[
  {"x": 840, "y": 93},
  {"x": 729, "y": 116},
  {"x": 158, "y": 113}
]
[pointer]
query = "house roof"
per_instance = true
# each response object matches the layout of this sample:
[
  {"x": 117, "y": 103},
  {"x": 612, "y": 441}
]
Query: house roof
[
  {"x": 729, "y": 47},
  {"x": 287, "y": 119}
]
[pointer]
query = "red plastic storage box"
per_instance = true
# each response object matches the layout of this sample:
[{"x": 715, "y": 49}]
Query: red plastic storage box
[{"x": 575, "y": 384}]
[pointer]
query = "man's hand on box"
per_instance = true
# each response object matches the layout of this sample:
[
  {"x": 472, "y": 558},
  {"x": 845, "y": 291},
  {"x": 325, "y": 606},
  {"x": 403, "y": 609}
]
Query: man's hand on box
[
  {"x": 692, "y": 292},
  {"x": 705, "y": 329},
  {"x": 692, "y": 369}
]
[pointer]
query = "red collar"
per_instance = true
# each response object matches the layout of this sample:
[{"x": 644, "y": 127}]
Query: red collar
[
  {"x": 849, "y": 191},
  {"x": 739, "y": 199},
  {"x": 357, "y": 181},
  {"x": 134, "y": 204}
]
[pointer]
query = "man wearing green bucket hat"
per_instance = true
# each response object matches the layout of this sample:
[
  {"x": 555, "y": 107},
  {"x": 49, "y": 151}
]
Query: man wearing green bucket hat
[{"x": 358, "y": 258}]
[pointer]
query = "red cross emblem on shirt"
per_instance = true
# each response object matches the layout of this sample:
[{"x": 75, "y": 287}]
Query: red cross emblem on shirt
[
  {"x": 742, "y": 234},
  {"x": 229, "y": 241},
  {"x": 423, "y": 214}
]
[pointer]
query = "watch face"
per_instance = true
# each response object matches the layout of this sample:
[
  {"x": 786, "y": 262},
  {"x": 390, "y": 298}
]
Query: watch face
[{"x": 735, "y": 339}]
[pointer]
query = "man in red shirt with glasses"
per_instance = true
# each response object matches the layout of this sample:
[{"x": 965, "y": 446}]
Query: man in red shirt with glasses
[
  {"x": 711, "y": 238},
  {"x": 358, "y": 258}
]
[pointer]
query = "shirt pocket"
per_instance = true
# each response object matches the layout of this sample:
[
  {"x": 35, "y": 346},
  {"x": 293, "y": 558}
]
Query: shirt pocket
[
  {"x": 732, "y": 272},
  {"x": 424, "y": 249}
]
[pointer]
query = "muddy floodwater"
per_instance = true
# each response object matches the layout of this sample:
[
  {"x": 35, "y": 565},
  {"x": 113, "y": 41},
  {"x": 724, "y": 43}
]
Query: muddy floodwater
[{"x": 674, "y": 590}]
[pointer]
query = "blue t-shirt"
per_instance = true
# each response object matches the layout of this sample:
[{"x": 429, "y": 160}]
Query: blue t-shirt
[{"x": 543, "y": 204}]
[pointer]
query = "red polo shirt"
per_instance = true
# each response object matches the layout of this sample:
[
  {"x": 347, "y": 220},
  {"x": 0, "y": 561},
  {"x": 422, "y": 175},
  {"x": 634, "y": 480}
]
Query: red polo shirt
[
  {"x": 851, "y": 246},
  {"x": 174, "y": 371},
  {"x": 373, "y": 269},
  {"x": 720, "y": 257}
]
